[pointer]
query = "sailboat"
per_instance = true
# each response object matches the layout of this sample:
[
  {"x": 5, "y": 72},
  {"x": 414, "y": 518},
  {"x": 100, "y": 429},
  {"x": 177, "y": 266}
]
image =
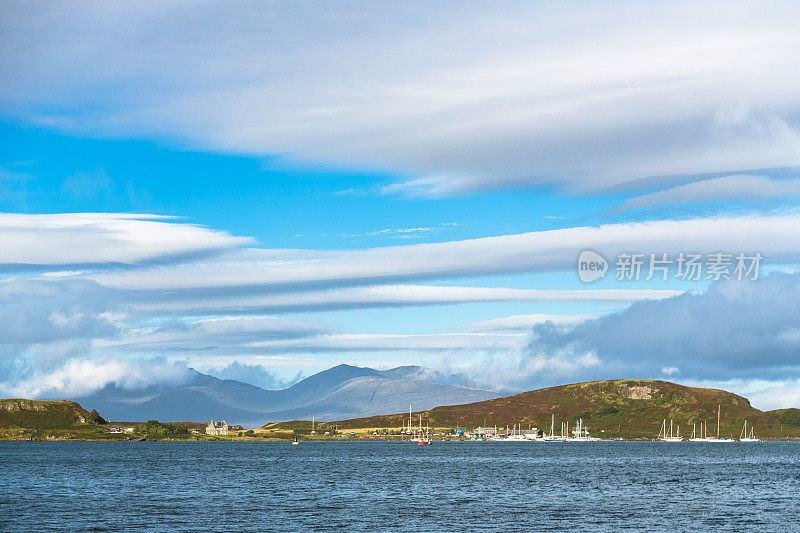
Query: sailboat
[
  {"x": 703, "y": 433},
  {"x": 552, "y": 437},
  {"x": 662, "y": 435},
  {"x": 515, "y": 434},
  {"x": 744, "y": 437},
  {"x": 424, "y": 439},
  {"x": 581, "y": 434},
  {"x": 718, "y": 438}
]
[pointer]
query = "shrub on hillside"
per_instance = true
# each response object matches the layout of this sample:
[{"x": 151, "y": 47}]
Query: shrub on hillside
[{"x": 95, "y": 417}]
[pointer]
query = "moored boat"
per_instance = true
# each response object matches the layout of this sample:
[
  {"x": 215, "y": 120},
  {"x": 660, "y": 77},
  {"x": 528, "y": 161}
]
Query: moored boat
[
  {"x": 662, "y": 435},
  {"x": 744, "y": 437}
]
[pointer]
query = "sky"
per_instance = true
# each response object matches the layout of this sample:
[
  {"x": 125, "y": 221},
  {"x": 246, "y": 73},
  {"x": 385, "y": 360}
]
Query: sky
[{"x": 263, "y": 190}]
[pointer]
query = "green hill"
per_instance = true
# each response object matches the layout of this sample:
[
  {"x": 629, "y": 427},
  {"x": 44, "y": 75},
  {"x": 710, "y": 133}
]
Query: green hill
[
  {"x": 37, "y": 419},
  {"x": 789, "y": 418},
  {"x": 42, "y": 414},
  {"x": 631, "y": 408}
]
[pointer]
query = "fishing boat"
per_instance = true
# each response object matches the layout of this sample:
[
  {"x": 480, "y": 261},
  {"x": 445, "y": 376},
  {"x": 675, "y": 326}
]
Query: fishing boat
[
  {"x": 662, "y": 435},
  {"x": 744, "y": 437}
]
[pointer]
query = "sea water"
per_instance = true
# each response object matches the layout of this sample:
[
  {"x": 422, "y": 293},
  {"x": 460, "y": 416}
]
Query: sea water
[{"x": 379, "y": 486}]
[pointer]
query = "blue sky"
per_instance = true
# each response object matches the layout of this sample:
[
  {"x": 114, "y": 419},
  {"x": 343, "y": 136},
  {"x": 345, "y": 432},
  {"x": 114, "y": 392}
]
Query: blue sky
[
  {"x": 281, "y": 203},
  {"x": 363, "y": 187}
]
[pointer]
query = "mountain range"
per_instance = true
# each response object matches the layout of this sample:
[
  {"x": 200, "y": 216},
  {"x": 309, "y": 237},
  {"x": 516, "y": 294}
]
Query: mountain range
[{"x": 338, "y": 393}]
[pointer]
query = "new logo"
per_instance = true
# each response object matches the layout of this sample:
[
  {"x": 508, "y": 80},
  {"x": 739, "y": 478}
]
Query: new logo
[{"x": 591, "y": 266}]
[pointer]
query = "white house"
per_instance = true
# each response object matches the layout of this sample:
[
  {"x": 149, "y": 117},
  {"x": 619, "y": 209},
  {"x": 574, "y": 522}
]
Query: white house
[{"x": 217, "y": 428}]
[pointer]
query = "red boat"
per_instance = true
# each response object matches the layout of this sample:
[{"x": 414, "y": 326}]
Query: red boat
[{"x": 424, "y": 442}]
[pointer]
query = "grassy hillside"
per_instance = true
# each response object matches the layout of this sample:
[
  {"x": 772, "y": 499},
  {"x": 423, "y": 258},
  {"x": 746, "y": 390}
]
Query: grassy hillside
[
  {"x": 631, "y": 408},
  {"x": 38, "y": 420},
  {"x": 787, "y": 418},
  {"x": 38, "y": 414},
  {"x": 22, "y": 419}
]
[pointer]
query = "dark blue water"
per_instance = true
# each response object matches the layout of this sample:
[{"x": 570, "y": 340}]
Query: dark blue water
[{"x": 373, "y": 486}]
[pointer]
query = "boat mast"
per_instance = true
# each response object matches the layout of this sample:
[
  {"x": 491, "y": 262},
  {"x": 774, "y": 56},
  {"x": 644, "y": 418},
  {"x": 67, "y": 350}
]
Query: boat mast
[{"x": 719, "y": 409}]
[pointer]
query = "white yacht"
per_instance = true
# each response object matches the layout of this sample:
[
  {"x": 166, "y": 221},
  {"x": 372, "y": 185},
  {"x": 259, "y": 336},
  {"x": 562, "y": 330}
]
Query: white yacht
[
  {"x": 718, "y": 439},
  {"x": 662, "y": 435},
  {"x": 581, "y": 434},
  {"x": 552, "y": 437},
  {"x": 702, "y": 437},
  {"x": 744, "y": 437}
]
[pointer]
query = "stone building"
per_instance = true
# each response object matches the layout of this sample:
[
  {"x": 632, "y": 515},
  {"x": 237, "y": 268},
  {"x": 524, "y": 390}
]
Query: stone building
[{"x": 217, "y": 428}]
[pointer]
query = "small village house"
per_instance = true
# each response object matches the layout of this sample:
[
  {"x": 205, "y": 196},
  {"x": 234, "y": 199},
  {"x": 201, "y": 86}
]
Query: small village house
[
  {"x": 217, "y": 428},
  {"x": 485, "y": 432}
]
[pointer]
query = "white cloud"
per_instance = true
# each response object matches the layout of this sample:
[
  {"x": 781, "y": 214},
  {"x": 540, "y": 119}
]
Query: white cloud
[
  {"x": 103, "y": 238},
  {"x": 488, "y": 97},
  {"x": 217, "y": 335},
  {"x": 732, "y": 330},
  {"x": 80, "y": 376},
  {"x": 384, "y": 296},
  {"x": 776, "y": 237},
  {"x": 378, "y": 342},
  {"x": 254, "y": 374},
  {"x": 524, "y": 322},
  {"x": 776, "y": 395},
  {"x": 51, "y": 320},
  {"x": 763, "y": 394},
  {"x": 725, "y": 188},
  {"x": 516, "y": 369}
]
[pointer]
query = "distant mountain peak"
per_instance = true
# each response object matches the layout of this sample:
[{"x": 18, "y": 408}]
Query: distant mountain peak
[{"x": 342, "y": 391}]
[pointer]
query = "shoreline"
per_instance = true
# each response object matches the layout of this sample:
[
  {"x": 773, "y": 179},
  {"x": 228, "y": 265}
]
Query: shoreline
[{"x": 410, "y": 441}]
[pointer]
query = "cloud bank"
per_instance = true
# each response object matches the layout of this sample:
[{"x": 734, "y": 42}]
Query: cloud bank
[
  {"x": 740, "y": 187},
  {"x": 87, "y": 239},
  {"x": 133, "y": 301},
  {"x": 774, "y": 236},
  {"x": 585, "y": 97},
  {"x": 731, "y": 331}
]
